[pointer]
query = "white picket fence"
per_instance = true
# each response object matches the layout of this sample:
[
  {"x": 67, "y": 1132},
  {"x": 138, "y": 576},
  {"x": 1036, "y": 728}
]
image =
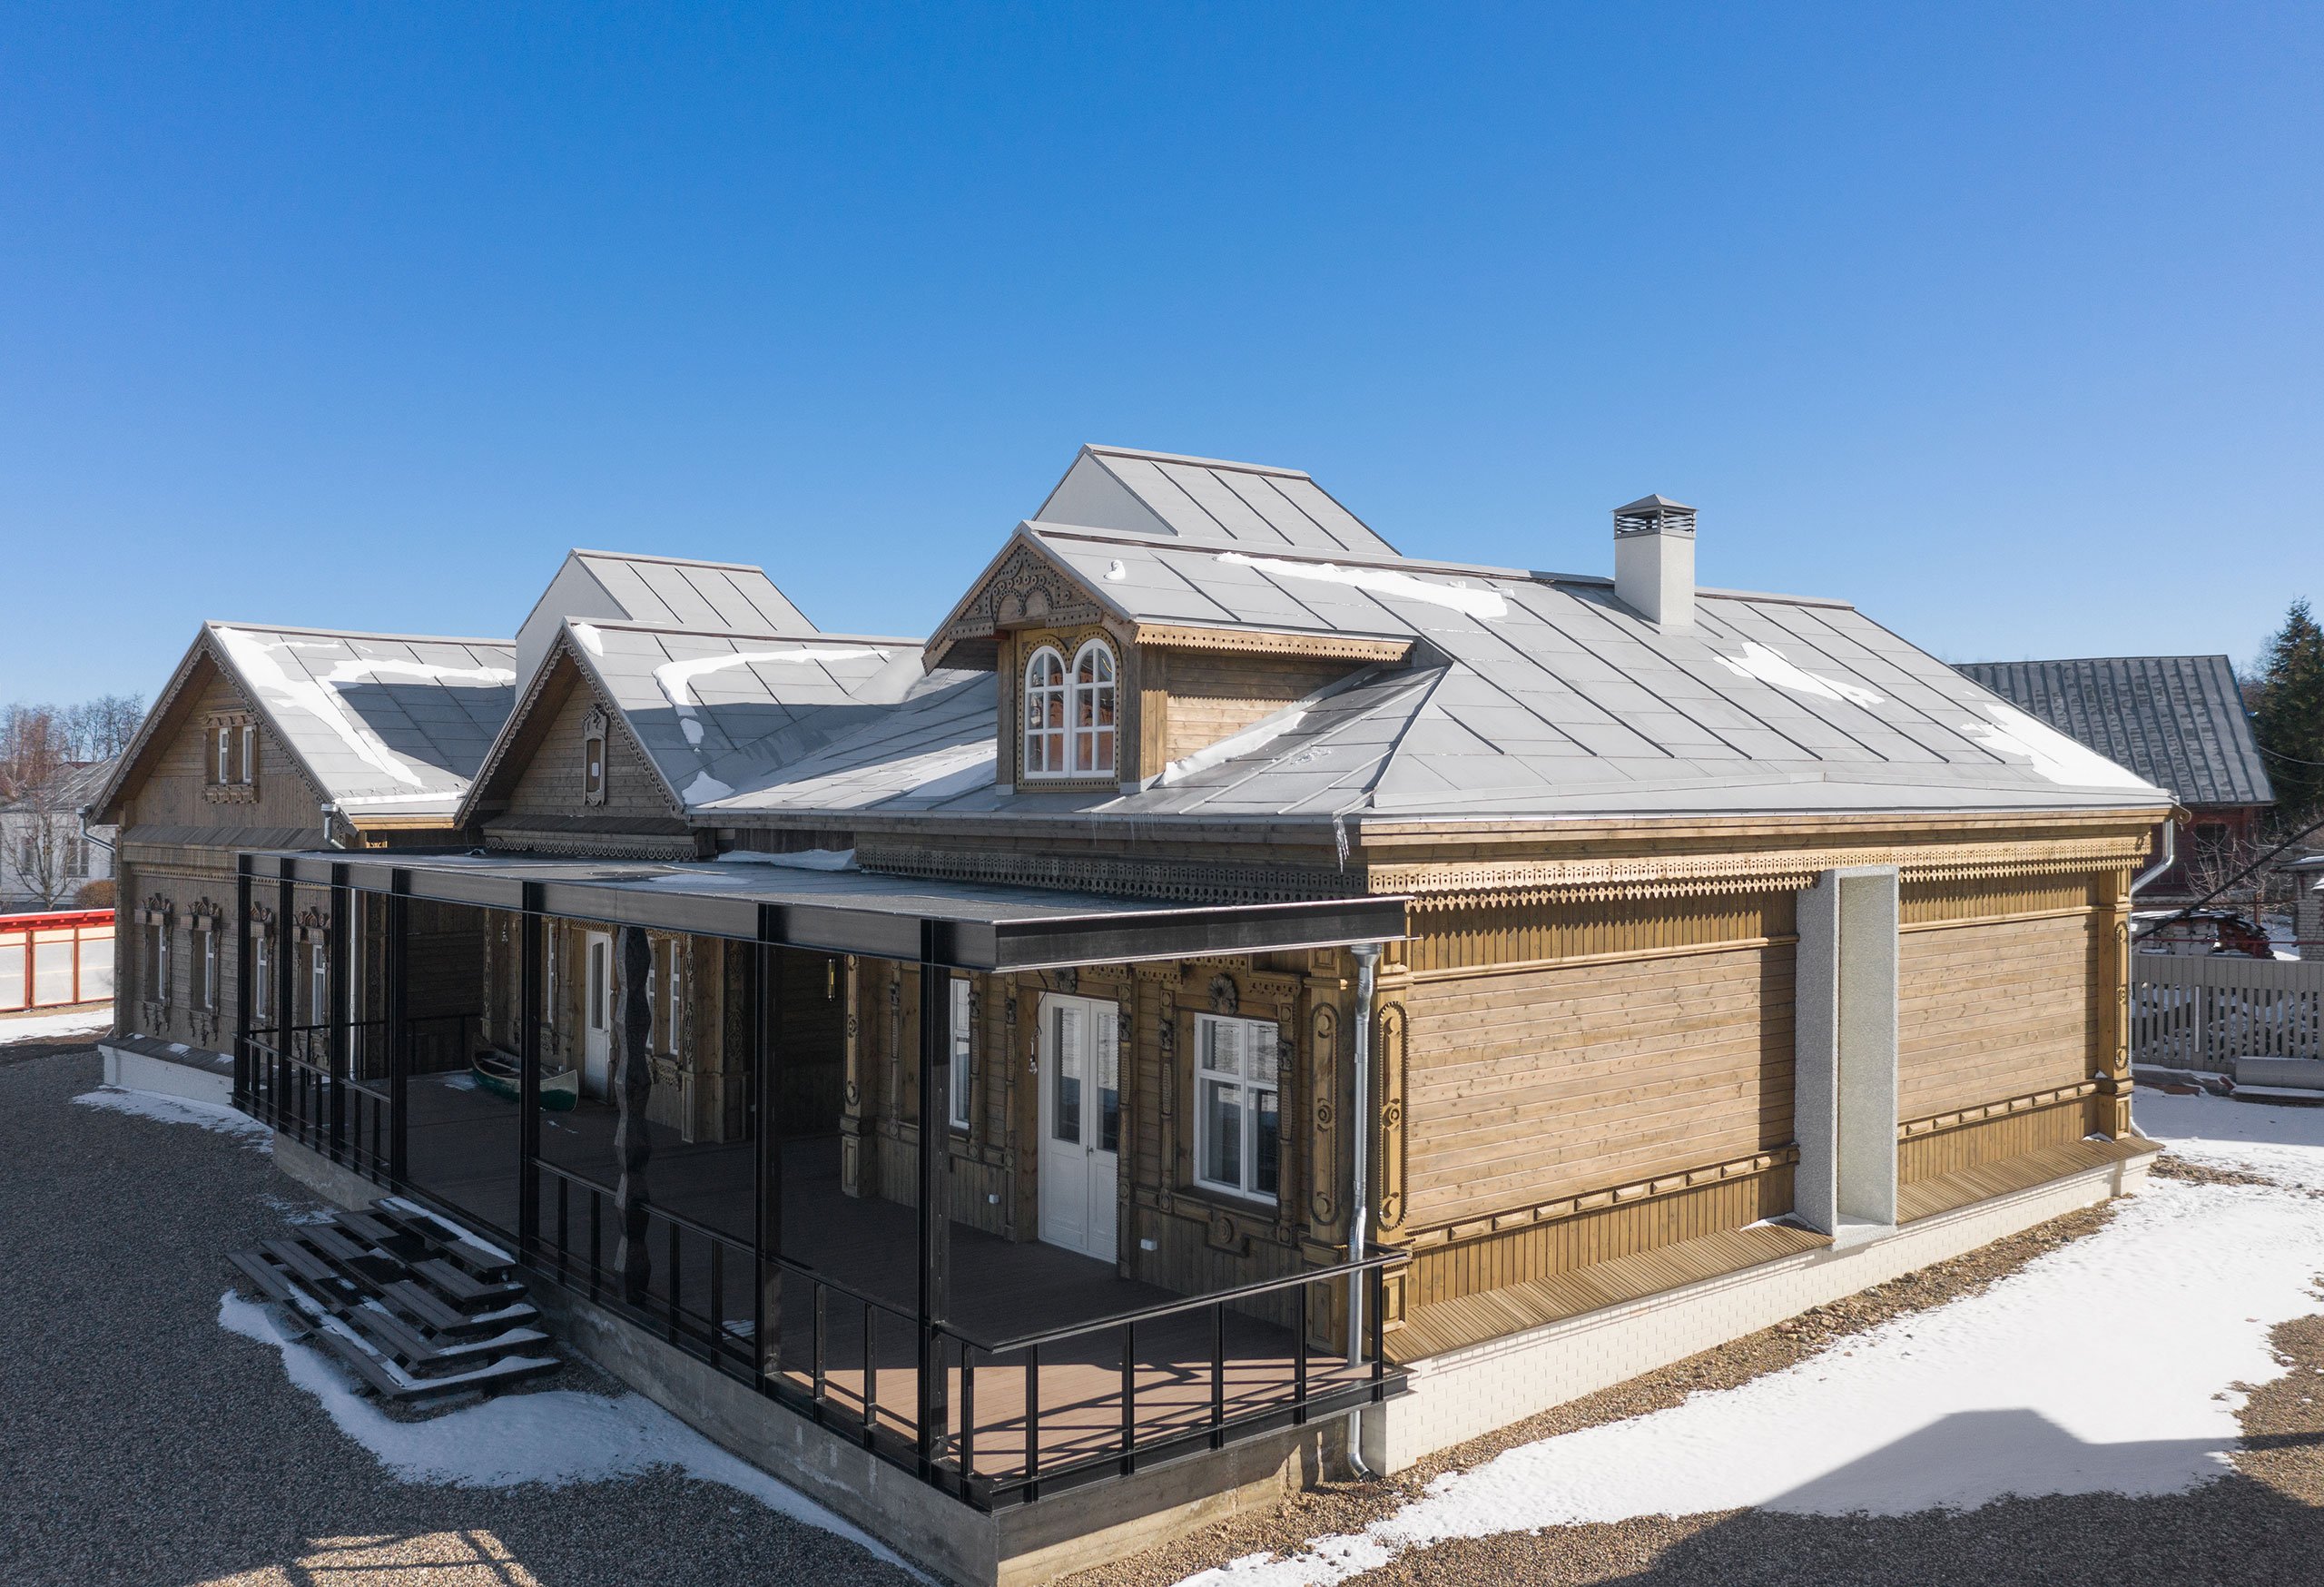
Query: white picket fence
[{"x": 2205, "y": 1013}]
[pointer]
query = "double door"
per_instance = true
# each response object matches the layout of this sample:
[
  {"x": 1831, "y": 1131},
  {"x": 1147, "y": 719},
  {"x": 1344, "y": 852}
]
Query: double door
[{"x": 1081, "y": 1123}]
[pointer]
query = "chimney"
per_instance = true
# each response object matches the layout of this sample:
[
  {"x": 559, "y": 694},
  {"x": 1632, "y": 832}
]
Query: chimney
[{"x": 1654, "y": 561}]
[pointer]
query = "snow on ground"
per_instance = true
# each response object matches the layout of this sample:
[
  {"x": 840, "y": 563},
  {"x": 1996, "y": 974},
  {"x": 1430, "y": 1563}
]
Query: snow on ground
[
  {"x": 556, "y": 1437},
  {"x": 2000, "y": 1393},
  {"x": 2285, "y": 1144},
  {"x": 49, "y": 1027},
  {"x": 165, "y": 1109}
]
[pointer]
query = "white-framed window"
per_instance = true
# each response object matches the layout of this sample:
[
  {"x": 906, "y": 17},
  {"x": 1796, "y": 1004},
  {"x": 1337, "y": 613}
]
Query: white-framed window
[
  {"x": 157, "y": 961},
  {"x": 225, "y": 756},
  {"x": 205, "y": 972},
  {"x": 261, "y": 948},
  {"x": 962, "y": 1046},
  {"x": 1045, "y": 735},
  {"x": 318, "y": 984},
  {"x": 1093, "y": 710},
  {"x": 593, "y": 757},
  {"x": 249, "y": 753},
  {"x": 662, "y": 994},
  {"x": 1239, "y": 1130}
]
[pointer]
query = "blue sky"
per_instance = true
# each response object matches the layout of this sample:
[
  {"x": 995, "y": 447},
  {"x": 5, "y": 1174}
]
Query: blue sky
[{"x": 2002, "y": 323}]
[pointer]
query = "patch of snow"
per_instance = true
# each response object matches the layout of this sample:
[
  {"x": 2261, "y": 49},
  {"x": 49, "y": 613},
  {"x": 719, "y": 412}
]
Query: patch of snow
[
  {"x": 676, "y": 678},
  {"x": 592, "y": 639},
  {"x": 211, "y": 1116},
  {"x": 292, "y": 1212},
  {"x": 28, "y": 1027},
  {"x": 253, "y": 657},
  {"x": 704, "y": 788},
  {"x": 1256, "y": 736},
  {"x": 1116, "y": 572},
  {"x": 558, "y": 1439},
  {"x": 445, "y": 794},
  {"x": 2283, "y": 1144},
  {"x": 1994, "y": 1395},
  {"x": 2054, "y": 755},
  {"x": 1771, "y": 665},
  {"x": 356, "y": 672},
  {"x": 1467, "y": 599},
  {"x": 694, "y": 731},
  {"x": 797, "y": 860}
]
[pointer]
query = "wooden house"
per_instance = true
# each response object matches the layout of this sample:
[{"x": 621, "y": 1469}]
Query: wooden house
[{"x": 1233, "y": 1000}]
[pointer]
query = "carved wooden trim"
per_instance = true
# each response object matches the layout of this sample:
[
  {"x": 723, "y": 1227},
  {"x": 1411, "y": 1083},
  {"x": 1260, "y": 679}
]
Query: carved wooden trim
[
  {"x": 1613, "y": 1196},
  {"x": 1390, "y": 1051},
  {"x": 1250, "y": 642},
  {"x": 1913, "y": 1129}
]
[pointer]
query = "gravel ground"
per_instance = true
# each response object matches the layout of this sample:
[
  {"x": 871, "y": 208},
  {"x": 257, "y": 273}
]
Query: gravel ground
[
  {"x": 2263, "y": 1524},
  {"x": 141, "y": 1443}
]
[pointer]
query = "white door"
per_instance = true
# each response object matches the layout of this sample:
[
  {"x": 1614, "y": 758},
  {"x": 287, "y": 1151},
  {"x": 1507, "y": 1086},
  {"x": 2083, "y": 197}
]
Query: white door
[
  {"x": 1081, "y": 1119},
  {"x": 597, "y": 1013}
]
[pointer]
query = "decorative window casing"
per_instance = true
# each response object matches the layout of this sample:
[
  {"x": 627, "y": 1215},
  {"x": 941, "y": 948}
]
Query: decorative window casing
[
  {"x": 1238, "y": 1110},
  {"x": 1070, "y": 712},
  {"x": 664, "y": 990},
  {"x": 153, "y": 931},
  {"x": 229, "y": 758},
  {"x": 592, "y": 757}
]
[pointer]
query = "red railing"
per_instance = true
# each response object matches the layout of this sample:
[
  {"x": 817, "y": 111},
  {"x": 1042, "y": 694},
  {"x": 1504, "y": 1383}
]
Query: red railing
[{"x": 53, "y": 961}]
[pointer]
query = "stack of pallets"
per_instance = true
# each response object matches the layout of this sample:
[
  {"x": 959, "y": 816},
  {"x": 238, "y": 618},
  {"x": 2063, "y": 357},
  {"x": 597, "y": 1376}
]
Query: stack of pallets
[{"x": 415, "y": 1305}]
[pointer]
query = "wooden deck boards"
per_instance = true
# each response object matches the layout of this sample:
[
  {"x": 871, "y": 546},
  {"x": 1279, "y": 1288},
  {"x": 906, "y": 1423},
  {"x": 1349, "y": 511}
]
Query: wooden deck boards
[{"x": 1959, "y": 1189}]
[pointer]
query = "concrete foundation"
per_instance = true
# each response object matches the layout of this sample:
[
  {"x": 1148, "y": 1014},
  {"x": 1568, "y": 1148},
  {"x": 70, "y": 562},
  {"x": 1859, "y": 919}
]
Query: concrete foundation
[{"x": 199, "y": 1077}]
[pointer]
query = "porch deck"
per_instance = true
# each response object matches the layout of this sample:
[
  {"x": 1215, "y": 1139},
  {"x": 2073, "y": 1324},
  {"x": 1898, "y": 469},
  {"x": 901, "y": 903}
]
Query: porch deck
[{"x": 855, "y": 1259}]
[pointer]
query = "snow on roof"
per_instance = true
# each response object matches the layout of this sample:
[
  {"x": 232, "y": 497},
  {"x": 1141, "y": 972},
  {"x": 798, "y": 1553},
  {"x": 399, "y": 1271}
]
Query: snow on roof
[
  {"x": 387, "y": 723},
  {"x": 719, "y": 713}
]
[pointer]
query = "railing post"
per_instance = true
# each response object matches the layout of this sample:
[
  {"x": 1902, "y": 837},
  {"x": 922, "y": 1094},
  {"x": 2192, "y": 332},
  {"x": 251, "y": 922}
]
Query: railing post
[
  {"x": 529, "y": 934},
  {"x": 935, "y": 1177},
  {"x": 241, "y": 981},
  {"x": 286, "y": 989},
  {"x": 340, "y": 994},
  {"x": 766, "y": 1225},
  {"x": 399, "y": 970}
]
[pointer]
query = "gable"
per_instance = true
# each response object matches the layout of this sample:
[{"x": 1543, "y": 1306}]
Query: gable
[
  {"x": 543, "y": 770},
  {"x": 170, "y": 784}
]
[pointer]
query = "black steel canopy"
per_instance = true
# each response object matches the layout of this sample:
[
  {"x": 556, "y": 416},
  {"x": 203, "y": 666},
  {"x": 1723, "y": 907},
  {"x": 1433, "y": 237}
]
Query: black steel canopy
[{"x": 961, "y": 925}]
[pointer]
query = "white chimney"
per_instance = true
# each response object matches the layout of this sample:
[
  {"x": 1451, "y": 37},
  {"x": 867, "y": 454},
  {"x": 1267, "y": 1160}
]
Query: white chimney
[{"x": 1654, "y": 561}]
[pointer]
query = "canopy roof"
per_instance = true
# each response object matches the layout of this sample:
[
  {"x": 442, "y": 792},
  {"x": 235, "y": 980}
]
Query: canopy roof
[{"x": 963, "y": 925}]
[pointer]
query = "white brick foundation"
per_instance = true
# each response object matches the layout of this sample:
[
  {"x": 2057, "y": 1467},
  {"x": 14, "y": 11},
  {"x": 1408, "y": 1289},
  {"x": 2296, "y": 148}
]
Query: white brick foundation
[{"x": 1464, "y": 1394}]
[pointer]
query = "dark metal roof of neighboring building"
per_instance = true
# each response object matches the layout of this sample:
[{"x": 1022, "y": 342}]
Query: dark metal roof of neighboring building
[{"x": 2177, "y": 720}]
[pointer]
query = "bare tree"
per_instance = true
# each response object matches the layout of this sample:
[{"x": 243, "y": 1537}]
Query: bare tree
[
  {"x": 43, "y": 833},
  {"x": 100, "y": 729}
]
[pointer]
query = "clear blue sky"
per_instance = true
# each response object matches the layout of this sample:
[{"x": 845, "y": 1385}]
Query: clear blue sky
[{"x": 2002, "y": 323}]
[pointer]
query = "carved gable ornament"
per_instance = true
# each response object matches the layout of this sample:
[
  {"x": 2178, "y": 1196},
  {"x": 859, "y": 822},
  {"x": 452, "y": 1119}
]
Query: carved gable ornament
[{"x": 1026, "y": 590}]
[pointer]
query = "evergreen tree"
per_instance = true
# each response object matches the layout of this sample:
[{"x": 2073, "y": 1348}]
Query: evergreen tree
[{"x": 2289, "y": 717}]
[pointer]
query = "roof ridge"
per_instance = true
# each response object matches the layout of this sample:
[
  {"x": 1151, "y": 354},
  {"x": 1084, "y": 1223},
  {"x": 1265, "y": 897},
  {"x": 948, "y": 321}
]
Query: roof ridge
[
  {"x": 671, "y": 561},
  {"x": 509, "y": 643},
  {"x": 813, "y": 636},
  {"x": 1100, "y": 449}
]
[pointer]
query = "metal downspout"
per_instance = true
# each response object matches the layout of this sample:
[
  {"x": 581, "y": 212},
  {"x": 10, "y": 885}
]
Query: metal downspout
[{"x": 1367, "y": 960}]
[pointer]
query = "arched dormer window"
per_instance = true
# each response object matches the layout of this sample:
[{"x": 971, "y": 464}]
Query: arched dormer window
[
  {"x": 593, "y": 757},
  {"x": 1093, "y": 710},
  {"x": 1045, "y": 736}
]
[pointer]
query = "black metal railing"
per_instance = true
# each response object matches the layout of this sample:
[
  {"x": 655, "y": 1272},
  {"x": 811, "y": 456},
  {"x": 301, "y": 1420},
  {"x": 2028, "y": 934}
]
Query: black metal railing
[
  {"x": 1186, "y": 1391},
  {"x": 297, "y": 1085}
]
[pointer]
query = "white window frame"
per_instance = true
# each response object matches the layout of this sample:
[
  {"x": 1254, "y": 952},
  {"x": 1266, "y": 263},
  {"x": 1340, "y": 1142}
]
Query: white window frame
[
  {"x": 225, "y": 756},
  {"x": 1047, "y": 715},
  {"x": 160, "y": 962},
  {"x": 662, "y": 982},
  {"x": 206, "y": 960},
  {"x": 250, "y": 753},
  {"x": 963, "y": 1047},
  {"x": 1093, "y": 726},
  {"x": 319, "y": 1010},
  {"x": 261, "y": 947},
  {"x": 1257, "y": 1042}
]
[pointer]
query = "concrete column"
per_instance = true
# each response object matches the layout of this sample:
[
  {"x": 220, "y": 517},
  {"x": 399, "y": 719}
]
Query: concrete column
[{"x": 1844, "y": 1084}]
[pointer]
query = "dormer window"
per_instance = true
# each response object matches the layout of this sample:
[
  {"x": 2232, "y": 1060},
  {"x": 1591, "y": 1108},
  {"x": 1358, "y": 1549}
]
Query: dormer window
[
  {"x": 1069, "y": 713},
  {"x": 229, "y": 759},
  {"x": 592, "y": 758}
]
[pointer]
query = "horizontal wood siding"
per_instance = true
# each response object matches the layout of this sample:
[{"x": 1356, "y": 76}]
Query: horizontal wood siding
[
  {"x": 1529, "y": 1086},
  {"x": 1996, "y": 1009},
  {"x": 1213, "y": 695},
  {"x": 1992, "y": 1140}
]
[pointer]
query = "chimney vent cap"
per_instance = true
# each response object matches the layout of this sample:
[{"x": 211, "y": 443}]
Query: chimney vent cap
[{"x": 1651, "y": 515}]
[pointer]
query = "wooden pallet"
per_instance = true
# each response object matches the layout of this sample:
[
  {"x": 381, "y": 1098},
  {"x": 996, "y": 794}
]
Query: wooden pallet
[{"x": 415, "y": 1307}]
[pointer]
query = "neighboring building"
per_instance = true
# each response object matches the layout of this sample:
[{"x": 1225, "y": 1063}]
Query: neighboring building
[
  {"x": 1028, "y": 1086},
  {"x": 45, "y": 855},
  {"x": 2179, "y": 722}
]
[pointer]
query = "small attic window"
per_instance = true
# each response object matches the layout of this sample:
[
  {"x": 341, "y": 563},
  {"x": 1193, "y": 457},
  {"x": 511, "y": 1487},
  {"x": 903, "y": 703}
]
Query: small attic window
[
  {"x": 1069, "y": 713},
  {"x": 592, "y": 758}
]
